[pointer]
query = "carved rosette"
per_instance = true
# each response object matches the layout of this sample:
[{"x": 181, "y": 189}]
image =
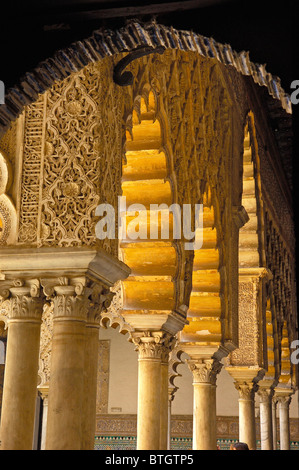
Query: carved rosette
[{"x": 204, "y": 371}]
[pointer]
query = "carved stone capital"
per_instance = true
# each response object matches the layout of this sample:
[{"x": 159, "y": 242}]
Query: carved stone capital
[
  {"x": 100, "y": 300},
  {"x": 284, "y": 402},
  {"x": 205, "y": 370},
  {"x": 25, "y": 299},
  {"x": 283, "y": 397},
  {"x": 246, "y": 390},
  {"x": 265, "y": 394},
  {"x": 6, "y": 285},
  {"x": 79, "y": 297},
  {"x": 152, "y": 345},
  {"x": 68, "y": 305}
]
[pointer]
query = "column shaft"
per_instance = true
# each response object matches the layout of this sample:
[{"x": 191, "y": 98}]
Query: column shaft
[
  {"x": 266, "y": 420},
  {"x": 66, "y": 398},
  {"x": 153, "y": 350},
  {"x": 169, "y": 424},
  {"x": 44, "y": 393},
  {"x": 66, "y": 386},
  {"x": 247, "y": 431},
  {"x": 148, "y": 414},
  {"x": 284, "y": 423},
  {"x": 164, "y": 406},
  {"x": 204, "y": 403},
  {"x": 203, "y": 432},
  {"x": 274, "y": 423},
  {"x": 21, "y": 372},
  {"x": 90, "y": 387}
]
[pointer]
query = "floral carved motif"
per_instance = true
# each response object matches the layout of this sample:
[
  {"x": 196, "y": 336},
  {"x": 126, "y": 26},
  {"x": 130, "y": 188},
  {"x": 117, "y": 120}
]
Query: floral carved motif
[{"x": 83, "y": 148}]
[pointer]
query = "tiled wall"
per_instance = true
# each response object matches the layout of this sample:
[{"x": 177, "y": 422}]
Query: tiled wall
[{"x": 118, "y": 432}]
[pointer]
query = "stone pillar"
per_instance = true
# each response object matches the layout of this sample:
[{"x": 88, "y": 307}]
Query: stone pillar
[
  {"x": 168, "y": 343},
  {"x": 21, "y": 368},
  {"x": 150, "y": 349},
  {"x": 204, "y": 402},
  {"x": 284, "y": 401},
  {"x": 274, "y": 422},
  {"x": 67, "y": 369},
  {"x": 164, "y": 405},
  {"x": 44, "y": 393},
  {"x": 247, "y": 430},
  {"x": 266, "y": 428},
  {"x": 100, "y": 298},
  {"x": 171, "y": 392}
]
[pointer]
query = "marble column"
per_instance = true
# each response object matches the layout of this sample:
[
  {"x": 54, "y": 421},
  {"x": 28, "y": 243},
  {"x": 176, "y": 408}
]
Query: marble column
[
  {"x": 66, "y": 387},
  {"x": 168, "y": 343},
  {"x": 284, "y": 421},
  {"x": 100, "y": 299},
  {"x": 44, "y": 393},
  {"x": 21, "y": 368},
  {"x": 274, "y": 422},
  {"x": 266, "y": 428},
  {"x": 90, "y": 386},
  {"x": 164, "y": 405},
  {"x": 204, "y": 402},
  {"x": 150, "y": 347},
  {"x": 247, "y": 430},
  {"x": 171, "y": 392}
]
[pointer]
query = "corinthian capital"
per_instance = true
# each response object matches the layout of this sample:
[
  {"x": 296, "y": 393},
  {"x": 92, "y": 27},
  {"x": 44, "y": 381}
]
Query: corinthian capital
[
  {"x": 67, "y": 304},
  {"x": 204, "y": 370},
  {"x": 246, "y": 390},
  {"x": 26, "y": 302},
  {"x": 152, "y": 344},
  {"x": 265, "y": 394},
  {"x": 78, "y": 297}
]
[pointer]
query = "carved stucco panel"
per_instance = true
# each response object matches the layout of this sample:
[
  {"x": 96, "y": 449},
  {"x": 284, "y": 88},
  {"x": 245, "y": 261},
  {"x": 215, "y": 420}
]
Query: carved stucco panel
[
  {"x": 247, "y": 352},
  {"x": 83, "y": 151},
  {"x": 103, "y": 377}
]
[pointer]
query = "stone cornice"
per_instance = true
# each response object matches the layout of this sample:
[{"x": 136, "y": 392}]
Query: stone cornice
[{"x": 44, "y": 263}]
